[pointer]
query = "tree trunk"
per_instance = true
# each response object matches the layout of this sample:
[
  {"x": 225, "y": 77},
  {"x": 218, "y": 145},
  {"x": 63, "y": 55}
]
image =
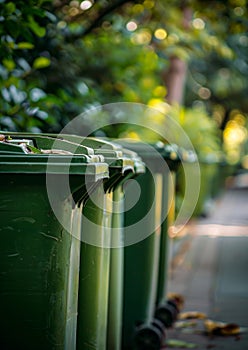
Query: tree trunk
[{"x": 174, "y": 78}]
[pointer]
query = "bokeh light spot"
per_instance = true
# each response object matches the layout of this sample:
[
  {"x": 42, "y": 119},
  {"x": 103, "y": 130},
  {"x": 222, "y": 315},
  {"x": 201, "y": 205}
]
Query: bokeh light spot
[{"x": 160, "y": 34}]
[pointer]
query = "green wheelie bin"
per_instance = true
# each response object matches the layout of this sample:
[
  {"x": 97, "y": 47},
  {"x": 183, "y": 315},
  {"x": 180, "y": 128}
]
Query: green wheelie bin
[
  {"x": 120, "y": 169},
  {"x": 145, "y": 260},
  {"x": 115, "y": 315},
  {"x": 39, "y": 255},
  {"x": 168, "y": 307}
]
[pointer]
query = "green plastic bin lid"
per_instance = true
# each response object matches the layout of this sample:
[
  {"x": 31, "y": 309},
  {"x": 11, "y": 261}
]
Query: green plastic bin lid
[
  {"x": 21, "y": 155},
  {"x": 112, "y": 153},
  {"x": 147, "y": 150},
  {"x": 153, "y": 153},
  {"x": 170, "y": 152},
  {"x": 46, "y": 142},
  {"x": 127, "y": 155},
  {"x": 102, "y": 143},
  {"x": 91, "y": 142}
]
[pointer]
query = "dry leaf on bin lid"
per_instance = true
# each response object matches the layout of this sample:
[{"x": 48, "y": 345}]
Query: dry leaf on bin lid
[
  {"x": 192, "y": 314},
  {"x": 221, "y": 328},
  {"x": 55, "y": 151}
]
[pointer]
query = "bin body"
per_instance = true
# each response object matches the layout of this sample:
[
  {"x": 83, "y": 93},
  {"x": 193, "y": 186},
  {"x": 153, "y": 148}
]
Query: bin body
[
  {"x": 39, "y": 257},
  {"x": 141, "y": 260},
  {"x": 168, "y": 206},
  {"x": 116, "y": 272},
  {"x": 93, "y": 277},
  {"x": 140, "y": 265},
  {"x": 111, "y": 289},
  {"x": 115, "y": 312},
  {"x": 35, "y": 250}
]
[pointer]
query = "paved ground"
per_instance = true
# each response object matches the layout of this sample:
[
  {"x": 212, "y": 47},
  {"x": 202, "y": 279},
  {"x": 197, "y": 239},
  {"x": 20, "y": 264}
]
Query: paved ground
[{"x": 211, "y": 272}]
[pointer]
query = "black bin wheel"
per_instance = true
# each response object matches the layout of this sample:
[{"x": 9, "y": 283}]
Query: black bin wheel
[
  {"x": 148, "y": 337},
  {"x": 167, "y": 314}
]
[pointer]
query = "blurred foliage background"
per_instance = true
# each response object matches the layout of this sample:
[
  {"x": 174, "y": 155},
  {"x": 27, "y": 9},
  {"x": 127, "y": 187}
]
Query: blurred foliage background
[{"x": 185, "y": 58}]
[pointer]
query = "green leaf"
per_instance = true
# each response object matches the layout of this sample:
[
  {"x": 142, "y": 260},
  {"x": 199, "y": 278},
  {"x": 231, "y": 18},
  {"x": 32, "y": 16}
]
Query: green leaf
[
  {"x": 37, "y": 11},
  {"x": 34, "y": 26},
  {"x": 12, "y": 27},
  {"x": 10, "y": 8},
  {"x": 25, "y": 45},
  {"x": 9, "y": 64},
  {"x": 34, "y": 149},
  {"x": 41, "y": 62}
]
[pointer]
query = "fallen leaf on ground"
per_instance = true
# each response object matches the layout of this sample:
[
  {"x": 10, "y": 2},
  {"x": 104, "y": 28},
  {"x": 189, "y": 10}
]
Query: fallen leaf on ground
[
  {"x": 221, "y": 328},
  {"x": 192, "y": 314},
  {"x": 174, "y": 343},
  {"x": 185, "y": 324},
  {"x": 178, "y": 298}
]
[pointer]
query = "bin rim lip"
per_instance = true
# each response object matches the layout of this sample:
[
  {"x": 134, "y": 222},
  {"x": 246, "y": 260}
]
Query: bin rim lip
[
  {"x": 54, "y": 169},
  {"x": 45, "y": 164},
  {"x": 32, "y": 157}
]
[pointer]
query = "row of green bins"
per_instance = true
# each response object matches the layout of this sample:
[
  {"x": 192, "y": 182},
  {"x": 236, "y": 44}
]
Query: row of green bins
[
  {"x": 145, "y": 261},
  {"x": 102, "y": 280},
  {"x": 39, "y": 255},
  {"x": 95, "y": 289}
]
